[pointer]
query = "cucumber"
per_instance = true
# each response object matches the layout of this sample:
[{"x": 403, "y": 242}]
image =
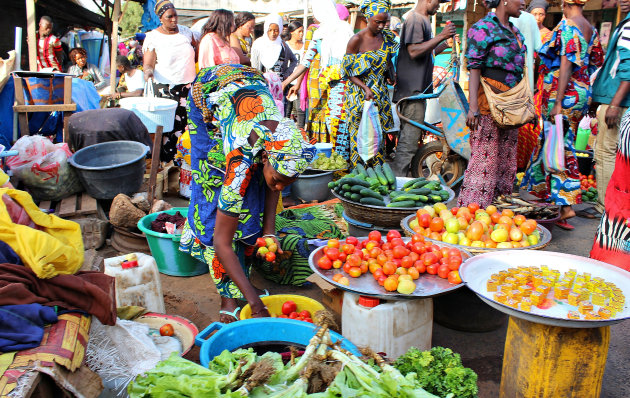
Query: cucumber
[
  {"x": 445, "y": 196},
  {"x": 347, "y": 195},
  {"x": 373, "y": 182},
  {"x": 355, "y": 197},
  {"x": 393, "y": 194},
  {"x": 371, "y": 173},
  {"x": 423, "y": 199},
  {"x": 332, "y": 184},
  {"x": 354, "y": 181},
  {"x": 418, "y": 184},
  {"x": 372, "y": 202},
  {"x": 360, "y": 169},
  {"x": 409, "y": 183},
  {"x": 357, "y": 188},
  {"x": 389, "y": 174},
  {"x": 368, "y": 193},
  {"x": 420, "y": 191},
  {"x": 379, "y": 174},
  {"x": 435, "y": 198},
  {"x": 405, "y": 203},
  {"x": 345, "y": 187},
  {"x": 406, "y": 197}
]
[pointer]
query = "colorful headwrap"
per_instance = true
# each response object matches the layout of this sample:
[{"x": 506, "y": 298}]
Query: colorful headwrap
[
  {"x": 342, "y": 11},
  {"x": 538, "y": 4},
  {"x": 370, "y": 8},
  {"x": 161, "y": 6},
  {"x": 576, "y": 2},
  {"x": 288, "y": 149}
]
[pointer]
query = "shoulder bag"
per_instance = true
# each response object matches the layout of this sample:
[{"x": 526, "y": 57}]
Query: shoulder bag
[{"x": 512, "y": 108}]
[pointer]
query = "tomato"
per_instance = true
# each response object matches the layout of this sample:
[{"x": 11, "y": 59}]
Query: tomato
[
  {"x": 419, "y": 265},
  {"x": 381, "y": 280},
  {"x": 354, "y": 260},
  {"x": 371, "y": 245},
  {"x": 454, "y": 252},
  {"x": 397, "y": 242},
  {"x": 352, "y": 240},
  {"x": 333, "y": 253},
  {"x": 406, "y": 262},
  {"x": 413, "y": 272},
  {"x": 400, "y": 252},
  {"x": 392, "y": 234},
  {"x": 293, "y": 315},
  {"x": 309, "y": 320},
  {"x": 378, "y": 273},
  {"x": 454, "y": 262},
  {"x": 454, "y": 278},
  {"x": 389, "y": 268},
  {"x": 323, "y": 263},
  {"x": 390, "y": 284},
  {"x": 337, "y": 264},
  {"x": 381, "y": 259},
  {"x": 419, "y": 248},
  {"x": 283, "y": 316},
  {"x": 414, "y": 256},
  {"x": 454, "y": 210},
  {"x": 386, "y": 246},
  {"x": 343, "y": 256},
  {"x": 364, "y": 267},
  {"x": 375, "y": 236},
  {"x": 336, "y": 277},
  {"x": 347, "y": 248},
  {"x": 346, "y": 267},
  {"x": 475, "y": 231},
  {"x": 374, "y": 253},
  {"x": 333, "y": 243},
  {"x": 270, "y": 257},
  {"x": 473, "y": 207},
  {"x": 288, "y": 307},
  {"x": 429, "y": 259},
  {"x": 437, "y": 252},
  {"x": 443, "y": 271},
  {"x": 494, "y": 217},
  {"x": 432, "y": 269},
  {"x": 260, "y": 242},
  {"x": 437, "y": 224},
  {"x": 417, "y": 238},
  {"x": 305, "y": 314},
  {"x": 445, "y": 251},
  {"x": 167, "y": 330},
  {"x": 354, "y": 272}
]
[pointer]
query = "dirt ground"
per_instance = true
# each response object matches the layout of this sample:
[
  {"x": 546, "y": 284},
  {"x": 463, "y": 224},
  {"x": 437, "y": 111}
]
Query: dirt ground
[{"x": 196, "y": 298}]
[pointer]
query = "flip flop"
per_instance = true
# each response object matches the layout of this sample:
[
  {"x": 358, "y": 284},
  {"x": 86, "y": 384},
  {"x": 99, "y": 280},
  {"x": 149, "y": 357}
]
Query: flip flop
[
  {"x": 265, "y": 294},
  {"x": 565, "y": 225},
  {"x": 232, "y": 314}
]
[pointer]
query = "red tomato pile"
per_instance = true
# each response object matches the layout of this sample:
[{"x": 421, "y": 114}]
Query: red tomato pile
[
  {"x": 394, "y": 264},
  {"x": 290, "y": 310}
]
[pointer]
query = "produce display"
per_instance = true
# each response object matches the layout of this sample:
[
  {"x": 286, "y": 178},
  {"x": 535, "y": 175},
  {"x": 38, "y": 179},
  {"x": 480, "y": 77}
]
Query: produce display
[
  {"x": 439, "y": 371},
  {"x": 324, "y": 371},
  {"x": 475, "y": 227},
  {"x": 377, "y": 187},
  {"x": 524, "y": 288},
  {"x": 334, "y": 162},
  {"x": 290, "y": 310},
  {"x": 589, "y": 188},
  {"x": 532, "y": 210},
  {"x": 394, "y": 264}
]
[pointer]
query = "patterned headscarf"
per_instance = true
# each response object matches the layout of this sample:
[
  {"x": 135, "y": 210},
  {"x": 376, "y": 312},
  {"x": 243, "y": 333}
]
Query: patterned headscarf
[
  {"x": 370, "y": 8},
  {"x": 287, "y": 148},
  {"x": 161, "y": 6},
  {"x": 576, "y": 2}
]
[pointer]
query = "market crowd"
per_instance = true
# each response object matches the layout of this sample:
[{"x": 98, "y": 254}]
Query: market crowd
[{"x": 250, "y": 109}]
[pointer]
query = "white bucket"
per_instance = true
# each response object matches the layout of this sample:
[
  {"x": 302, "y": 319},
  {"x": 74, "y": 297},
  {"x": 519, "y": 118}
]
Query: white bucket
[
  {"x": 152, "y": 111},
  {"x": 185, "y": 180},
  {"x": 391, "y": 327}
]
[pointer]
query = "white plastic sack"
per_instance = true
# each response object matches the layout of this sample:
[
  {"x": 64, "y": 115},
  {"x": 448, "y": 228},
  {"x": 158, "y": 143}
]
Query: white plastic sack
[
  {"x": 43, "y": 168},
  {"x": 370, "y": 135}
]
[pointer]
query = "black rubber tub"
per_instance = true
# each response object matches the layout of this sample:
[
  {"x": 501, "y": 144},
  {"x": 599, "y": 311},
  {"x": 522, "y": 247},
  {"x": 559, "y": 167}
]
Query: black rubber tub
[{"x": 110, "y": 168}]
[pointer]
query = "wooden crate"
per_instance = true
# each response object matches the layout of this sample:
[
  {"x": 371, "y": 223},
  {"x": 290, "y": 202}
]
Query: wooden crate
[{"x": 79, "y": 205}]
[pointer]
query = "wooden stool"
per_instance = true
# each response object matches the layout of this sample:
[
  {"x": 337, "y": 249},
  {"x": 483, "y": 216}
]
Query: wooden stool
[{"x": 542, "y": 361}]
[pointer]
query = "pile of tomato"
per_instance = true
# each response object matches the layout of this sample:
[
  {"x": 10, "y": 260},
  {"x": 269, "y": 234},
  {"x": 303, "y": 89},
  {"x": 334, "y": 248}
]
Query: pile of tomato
[
  {"x": 290, "y": 311},
  {"x": 390, "y": 261}
]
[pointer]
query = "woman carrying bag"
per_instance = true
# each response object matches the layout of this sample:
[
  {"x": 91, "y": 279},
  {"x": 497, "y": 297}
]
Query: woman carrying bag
[
  {"x": 568, "y": 60},
  {"x": 496, "y": 54}
]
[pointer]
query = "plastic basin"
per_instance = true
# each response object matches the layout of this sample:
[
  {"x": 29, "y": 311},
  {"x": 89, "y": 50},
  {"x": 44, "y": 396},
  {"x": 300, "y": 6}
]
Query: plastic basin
[
  {"x": 274, "y": 304},
  {"x": 165, "y": 248},
  {"x": 325, "y": 148},
  {"x": 312, "y": 186},
  {"x": 110, "y": 168},
  {"x": 259, "y": 330}
]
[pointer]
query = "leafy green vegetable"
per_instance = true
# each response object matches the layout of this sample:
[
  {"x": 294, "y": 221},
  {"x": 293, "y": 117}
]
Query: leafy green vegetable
[{"x": 439, "y": 371}]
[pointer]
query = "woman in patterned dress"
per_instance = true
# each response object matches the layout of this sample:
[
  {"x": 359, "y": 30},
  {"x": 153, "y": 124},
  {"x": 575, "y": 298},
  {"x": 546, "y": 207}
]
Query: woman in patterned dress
[
  {"x": 329, "y": 45},
  {"x": 496, "y": 53},
  {"x": 612, "y": 240},
  {"x": 244, "y": 152},
  {"x": 366, "y": 64},
  {"x": 568, "y": 60}
]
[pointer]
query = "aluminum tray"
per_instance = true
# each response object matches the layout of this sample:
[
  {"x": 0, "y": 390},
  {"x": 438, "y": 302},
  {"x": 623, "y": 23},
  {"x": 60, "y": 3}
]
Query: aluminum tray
[
  {"x": 426, "y": 286},
  {"x": 476, "y": 271}
]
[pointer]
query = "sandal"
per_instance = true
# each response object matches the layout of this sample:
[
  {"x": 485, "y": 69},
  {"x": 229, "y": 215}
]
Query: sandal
[
  {"x": 565, "y": 225},
  {"x": 265, "y": 294},
  {"x": 232, "y": 314}
]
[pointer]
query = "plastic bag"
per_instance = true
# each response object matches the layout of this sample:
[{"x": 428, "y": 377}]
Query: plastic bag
[
  {"x": 370, "y": 135},
  {"x": 43, "y": 168},
  {"x": 553, "y": 149}
]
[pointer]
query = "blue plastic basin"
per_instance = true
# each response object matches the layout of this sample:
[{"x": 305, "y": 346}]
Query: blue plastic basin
[{"x": 259, "y": 330}]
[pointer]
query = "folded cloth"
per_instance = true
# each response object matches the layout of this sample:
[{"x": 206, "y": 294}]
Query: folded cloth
[
  {"x": 22, "y": 326},
  {"x": 91, "y": 291},
  {"x": 8, "y": 255}
]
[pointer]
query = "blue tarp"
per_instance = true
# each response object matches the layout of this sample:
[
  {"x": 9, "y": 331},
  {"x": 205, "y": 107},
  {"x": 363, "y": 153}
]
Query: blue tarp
[
  {"x": 149, "y": 20},
  {"x": 83, "y": 94}
]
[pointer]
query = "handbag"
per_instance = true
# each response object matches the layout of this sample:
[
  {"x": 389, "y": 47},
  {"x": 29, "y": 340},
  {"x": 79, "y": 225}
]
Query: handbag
[
  {"x": 369, "y": 135},
  {"x": 512, "y": 108},
  {"x": 553, "y": 148}
]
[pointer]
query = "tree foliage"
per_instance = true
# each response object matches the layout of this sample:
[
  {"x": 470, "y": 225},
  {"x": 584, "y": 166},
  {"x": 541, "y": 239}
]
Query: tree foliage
[{"x": 131, "y": 21}]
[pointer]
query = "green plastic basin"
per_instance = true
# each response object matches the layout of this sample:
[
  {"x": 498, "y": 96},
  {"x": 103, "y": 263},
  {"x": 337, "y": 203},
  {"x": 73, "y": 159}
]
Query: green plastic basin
[{"x": 165, "y": 248}]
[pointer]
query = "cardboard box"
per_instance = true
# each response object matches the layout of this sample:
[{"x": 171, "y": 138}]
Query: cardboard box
[{"x": 332, "y": 297}]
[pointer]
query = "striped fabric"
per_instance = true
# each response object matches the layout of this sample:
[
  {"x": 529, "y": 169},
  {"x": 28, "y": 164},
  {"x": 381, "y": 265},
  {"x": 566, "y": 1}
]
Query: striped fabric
[{"x": 48, "y": 49}]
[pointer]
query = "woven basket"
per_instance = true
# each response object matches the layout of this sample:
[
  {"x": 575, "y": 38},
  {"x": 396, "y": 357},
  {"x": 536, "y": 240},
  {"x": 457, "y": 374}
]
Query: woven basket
[
  {"x": 544, "y": 240},
  {"x": 376, "y": 215}
]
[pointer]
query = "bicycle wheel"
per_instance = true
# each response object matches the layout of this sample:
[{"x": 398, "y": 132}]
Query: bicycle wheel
[{"x": 426, "y": 163}]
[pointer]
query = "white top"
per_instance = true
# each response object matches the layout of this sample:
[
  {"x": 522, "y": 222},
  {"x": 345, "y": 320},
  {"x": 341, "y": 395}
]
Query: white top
[
  {"x": 135, "y": 82},
  {"x": 175, "y": 62}
]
